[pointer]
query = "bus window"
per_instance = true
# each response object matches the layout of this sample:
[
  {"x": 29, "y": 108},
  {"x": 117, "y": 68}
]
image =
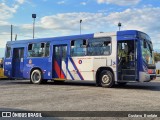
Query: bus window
[
  {"x": 99, "y": 46},
  {"x": 36, "y": 50},
  {"x": 47, "y": 49},
  {"x": 57, "y": 52},
  {"x": 72, "y": 43},
  {"x": 78, "y": 47},
  {"x": 29, "y": 47},
  {"x": 8, "y": 52}
]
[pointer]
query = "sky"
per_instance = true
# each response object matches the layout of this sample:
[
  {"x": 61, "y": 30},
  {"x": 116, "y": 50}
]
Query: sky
[{"x": 62, "y": 17}]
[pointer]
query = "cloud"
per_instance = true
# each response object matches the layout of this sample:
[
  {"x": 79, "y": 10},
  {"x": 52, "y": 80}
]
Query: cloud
[
  {"x": 61, "y": 2},
  {"x": 20, "y": 1},
  {"x": 119, "y": 2},
  {"x": 141, "y": 19},
  {"x": 144, "y": 19},
  {"x": 70, "y": 21},
  {"x": 83, "y": 3},
  {"x": 7, "y": 11}
]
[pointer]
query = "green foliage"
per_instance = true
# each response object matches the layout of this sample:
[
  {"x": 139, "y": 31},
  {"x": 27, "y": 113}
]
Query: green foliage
[{"x": 157, "y": 56}]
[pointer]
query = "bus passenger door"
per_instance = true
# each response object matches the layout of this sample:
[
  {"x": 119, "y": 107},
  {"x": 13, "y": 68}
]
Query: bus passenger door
[
  {"x": 60, "y": 61},
  {"x": 18, "y": 62}
]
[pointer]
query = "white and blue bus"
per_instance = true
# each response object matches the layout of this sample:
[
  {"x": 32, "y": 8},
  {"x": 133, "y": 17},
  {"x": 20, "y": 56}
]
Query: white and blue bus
[{"x": 106, "y": 58}]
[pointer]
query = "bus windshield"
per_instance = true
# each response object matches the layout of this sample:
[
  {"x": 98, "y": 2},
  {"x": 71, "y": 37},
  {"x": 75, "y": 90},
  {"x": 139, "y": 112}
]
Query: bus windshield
[{"x": 147, "y": 52}]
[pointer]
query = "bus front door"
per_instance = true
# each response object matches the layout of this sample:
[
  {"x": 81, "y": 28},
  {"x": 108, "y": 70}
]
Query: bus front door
[
  {"x": 17, "y": 62},
  {"x": 60, "y": 61}
]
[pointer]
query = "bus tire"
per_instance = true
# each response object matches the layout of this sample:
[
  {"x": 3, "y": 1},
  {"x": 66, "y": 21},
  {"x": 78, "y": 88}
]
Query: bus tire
[
  {"x": 106, "y": 79},
  {"x": 36, "y": 77}
]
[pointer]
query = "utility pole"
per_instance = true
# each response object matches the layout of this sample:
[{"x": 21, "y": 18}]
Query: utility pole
[
  {"x": 80, "y": 26},
  {"x": 119, "y": 25},
  {"x": 33, "y": 16}
]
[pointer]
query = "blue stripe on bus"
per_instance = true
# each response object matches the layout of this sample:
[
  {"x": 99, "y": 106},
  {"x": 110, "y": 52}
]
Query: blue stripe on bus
[
  {"x": 70, "y": 74},
  {"x": 74, "y": 65}
]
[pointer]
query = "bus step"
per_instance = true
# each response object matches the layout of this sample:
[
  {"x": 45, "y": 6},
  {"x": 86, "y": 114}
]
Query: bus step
[
  {"x": 128, "y": 71},
  {"x": 129, "y": 77}
]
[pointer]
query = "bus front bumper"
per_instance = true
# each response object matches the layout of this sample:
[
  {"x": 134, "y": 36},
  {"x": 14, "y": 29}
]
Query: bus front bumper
[{"x": 144, "y": 77}]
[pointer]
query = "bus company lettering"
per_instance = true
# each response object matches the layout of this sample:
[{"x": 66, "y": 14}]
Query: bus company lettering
[
  {"x": 135, "y": 115},
  {"x": 143, "y": 115},
  {"x": 23, "y": 115}
]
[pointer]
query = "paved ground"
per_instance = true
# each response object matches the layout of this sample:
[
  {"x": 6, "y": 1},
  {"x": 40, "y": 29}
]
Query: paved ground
[{"x": 78, "y": 96}]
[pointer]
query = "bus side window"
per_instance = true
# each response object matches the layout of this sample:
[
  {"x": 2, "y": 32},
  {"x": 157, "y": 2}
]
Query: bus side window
[
  {"x": 38, "y": 49},
  {"x": 30, "y": 51},
  {"x": 30, "y": 47},
  {"x": 78, "y": 47},
  {"x": 47, "y": 49},
  {"x": 72, "y": 43},
  {"x": 99, "y": 46},
  {"x": 8, "y": 52},
  {"x": 41, "y": 50},
  {"x": 72, "y": 47},
  {"x": 107, "y": 48}
]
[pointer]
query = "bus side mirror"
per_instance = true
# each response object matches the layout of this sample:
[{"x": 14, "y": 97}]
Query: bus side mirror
[{"x": 144, "y": 44}]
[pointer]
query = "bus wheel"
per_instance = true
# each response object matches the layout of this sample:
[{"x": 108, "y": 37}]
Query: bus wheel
[
  {"x": 106, "y": 79},
  {"x": 36, "y": 77}
]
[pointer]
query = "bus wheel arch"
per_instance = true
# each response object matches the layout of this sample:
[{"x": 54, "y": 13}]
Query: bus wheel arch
[
  {"x": 105, "y": 77},
  {"x": 36, "y": 76}
]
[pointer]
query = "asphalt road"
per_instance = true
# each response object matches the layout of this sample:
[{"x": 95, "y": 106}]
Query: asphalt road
[{"x": 78, "y": 96}]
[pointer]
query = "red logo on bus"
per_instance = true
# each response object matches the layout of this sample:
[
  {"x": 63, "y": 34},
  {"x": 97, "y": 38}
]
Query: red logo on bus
[{"x": 80, "y": 61}]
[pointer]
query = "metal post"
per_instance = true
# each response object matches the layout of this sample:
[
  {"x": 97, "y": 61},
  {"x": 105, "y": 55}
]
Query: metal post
[
  {"x": 119, "y": 25},
  {"x": 33, "y": 16},
  {"x": 80, "y": 26},
  {"x": 11, "y": 31},
  {"x": 33, "y": 26},
  {"x": 16, "y": 37}
]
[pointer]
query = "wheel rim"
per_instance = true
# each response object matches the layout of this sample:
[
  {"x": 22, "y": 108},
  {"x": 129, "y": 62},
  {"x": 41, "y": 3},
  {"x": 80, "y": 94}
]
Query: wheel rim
[
  {"x": 36, "y": 77},
  {"x": 105, "y": 79}
]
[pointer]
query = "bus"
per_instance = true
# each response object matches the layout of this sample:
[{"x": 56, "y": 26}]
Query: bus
[
  {"x": 107, "y": 58},
  {"x": 2, "y": 76}
]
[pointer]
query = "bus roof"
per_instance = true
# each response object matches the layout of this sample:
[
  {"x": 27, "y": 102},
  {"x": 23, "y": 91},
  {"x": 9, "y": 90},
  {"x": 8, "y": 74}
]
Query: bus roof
[
  {"x": 53, "y": 38},
  {"x": 130, "y": 33}
]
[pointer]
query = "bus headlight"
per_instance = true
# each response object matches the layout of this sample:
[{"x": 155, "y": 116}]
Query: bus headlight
[{"x": 151, "y": 71}]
